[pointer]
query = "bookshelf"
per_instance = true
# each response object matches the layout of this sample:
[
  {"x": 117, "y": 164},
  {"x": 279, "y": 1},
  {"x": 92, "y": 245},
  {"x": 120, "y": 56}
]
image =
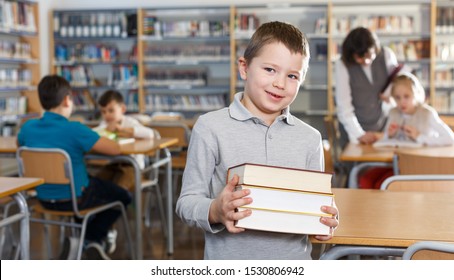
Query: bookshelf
[
  {"x": 19, "y": 63},
  {"x": 185, "y": 59},
  {"x": 96, "y": 50},
  {"x": 313, "y": 100},
  {"x": 402, "y": 26},
  {"x": 443, "y": 74}
]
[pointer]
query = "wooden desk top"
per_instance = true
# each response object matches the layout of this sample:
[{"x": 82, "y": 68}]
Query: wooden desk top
[
  {"x": 12, "y": 185},
  {"x": 360, "y": 152},
  {"x": 140, "y": 146},
  {"x": 392, "y": 219},
  {"x": 8, "y": 144},
  {"x": 145, "y": 146}
]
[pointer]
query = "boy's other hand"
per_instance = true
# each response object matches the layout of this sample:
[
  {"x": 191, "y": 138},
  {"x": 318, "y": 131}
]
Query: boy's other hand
[
  {"x": 223, "y": 208},
  {"x": 332, "y": 222}
]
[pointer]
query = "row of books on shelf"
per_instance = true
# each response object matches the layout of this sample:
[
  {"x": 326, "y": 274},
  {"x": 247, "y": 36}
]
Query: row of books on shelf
[
  {"x": 184, "y": 102},
  {"x": 411, "y": 49},
  {"x": 13, "y": 105},
  {"x": 91, "y": 24},
  {"x": 445, "y": 20},
  {"x": 153, "y": 26},
  {"x": 15, "y": 78},
  {"x": 89, "y": 53},
  {"x": 175, "y": 77},
  {"x": 392, "y": 24},
  {"x": 17, "y": 16},
  {"x": 187, "y": 53},
  {"x": 404, "y": 50},
  {"x": 444, "y": 76},
  {"x": 246, "y": 24},
  {"x": 14, "y": 50},
  {"x": 84, "y": 100},
  {"x": 443, "y": 102},
  {"x": 445, "y": 51},
  {"x": 118, "y": 76}
]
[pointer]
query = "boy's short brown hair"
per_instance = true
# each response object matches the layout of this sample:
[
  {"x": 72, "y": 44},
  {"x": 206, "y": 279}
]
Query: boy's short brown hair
[
  {"x": 52, "y": 89},
  {"x": 109, "y": 96},
  {"x": 278, "y": 32}
]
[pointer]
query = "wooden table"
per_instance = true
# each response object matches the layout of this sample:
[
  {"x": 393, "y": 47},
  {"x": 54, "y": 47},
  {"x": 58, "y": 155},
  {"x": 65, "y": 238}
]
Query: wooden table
[
  {"x": 366, "y": 155},
  {"x": 10, "y": 186},
  {"x": 382, "y": 220},
  {"x": 8, "y": 146},
  {"x": 146, "y": 146}
]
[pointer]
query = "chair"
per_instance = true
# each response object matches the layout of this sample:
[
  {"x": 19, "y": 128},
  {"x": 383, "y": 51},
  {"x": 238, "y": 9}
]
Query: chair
[
  {"x": 429, "y": 250},
  {"x": 175, "y": 129},
  {"x": 408, "y": 163},
  {"x": 339, "y": 169},
  {"x": 54, "y": 166},
  {"x": 150, "y": 181},
  {"x": 422, "y": 183}
]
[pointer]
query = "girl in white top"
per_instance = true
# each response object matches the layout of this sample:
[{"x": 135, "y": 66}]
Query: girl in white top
[{"x": 412, "y": 119}]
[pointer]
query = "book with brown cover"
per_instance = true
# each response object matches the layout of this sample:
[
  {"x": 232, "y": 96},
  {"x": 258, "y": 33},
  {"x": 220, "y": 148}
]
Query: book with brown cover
[
  {"x": 281, "y": 177},
  {"x": 286, "y": 200},
  {"x": 392, "y": 76}
]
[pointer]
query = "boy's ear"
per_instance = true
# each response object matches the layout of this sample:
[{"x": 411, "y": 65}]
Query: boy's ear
[
  {"x": 242, "y": 68},
  {"x": 123, "y": 108},
  {"x": 66, "y": 101}
]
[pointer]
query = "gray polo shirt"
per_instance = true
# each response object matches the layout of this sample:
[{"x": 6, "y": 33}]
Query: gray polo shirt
[{"x": 232, "y": 136}]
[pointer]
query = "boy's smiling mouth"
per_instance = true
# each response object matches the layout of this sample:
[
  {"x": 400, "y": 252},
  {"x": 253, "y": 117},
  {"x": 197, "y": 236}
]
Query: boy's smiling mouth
[{"x": 275, "y": 95}]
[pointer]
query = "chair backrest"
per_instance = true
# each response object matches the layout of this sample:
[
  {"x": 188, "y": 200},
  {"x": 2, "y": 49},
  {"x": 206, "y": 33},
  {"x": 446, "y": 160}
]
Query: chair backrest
[
  {"x": 409, "y": 163},
  {"x": 420, "y": 183},
  {"x": 51, "y": 164},
  {"x": 166, "y": 116},
  {"x": 173, "y": 129},
  {"x": 429, "y": 250},
  {"x": 332, "y": 131}
]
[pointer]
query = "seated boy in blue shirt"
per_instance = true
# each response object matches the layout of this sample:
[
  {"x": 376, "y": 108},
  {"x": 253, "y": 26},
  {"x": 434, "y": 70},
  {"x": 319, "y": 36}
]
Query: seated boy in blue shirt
[{"x": 54, "y": 130}]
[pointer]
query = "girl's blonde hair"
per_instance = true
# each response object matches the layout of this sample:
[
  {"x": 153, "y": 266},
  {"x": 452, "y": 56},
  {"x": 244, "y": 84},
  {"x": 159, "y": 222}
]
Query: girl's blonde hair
[{"x": 419, "y": 93}]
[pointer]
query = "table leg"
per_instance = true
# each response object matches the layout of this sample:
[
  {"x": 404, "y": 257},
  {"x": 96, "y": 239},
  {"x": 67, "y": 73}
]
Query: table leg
[
  {"x": 24, "y": 226},
  {"x": 169, "y": 203}
]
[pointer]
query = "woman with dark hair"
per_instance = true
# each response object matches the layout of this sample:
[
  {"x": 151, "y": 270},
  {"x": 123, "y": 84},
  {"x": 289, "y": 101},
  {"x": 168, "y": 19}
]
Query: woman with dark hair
[{"x": 361, "y": 74}]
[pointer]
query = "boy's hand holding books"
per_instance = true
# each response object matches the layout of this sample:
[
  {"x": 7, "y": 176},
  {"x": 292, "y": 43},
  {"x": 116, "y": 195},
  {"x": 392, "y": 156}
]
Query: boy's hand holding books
[
  {"x": 276, "y": 199},
  {"x": 223, "y": 208}
]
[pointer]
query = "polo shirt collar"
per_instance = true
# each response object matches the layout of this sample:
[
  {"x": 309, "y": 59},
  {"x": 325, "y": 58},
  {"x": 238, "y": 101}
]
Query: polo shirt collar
[{"x": 240, "y": 113}]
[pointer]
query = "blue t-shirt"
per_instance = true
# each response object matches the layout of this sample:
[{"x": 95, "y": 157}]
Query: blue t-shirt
[{"x": 56, "y": 131}]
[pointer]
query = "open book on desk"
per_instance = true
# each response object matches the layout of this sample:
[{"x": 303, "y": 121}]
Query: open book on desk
[
  {"x": 396, "y": 143},
  {"x": 113, "y": 136}
]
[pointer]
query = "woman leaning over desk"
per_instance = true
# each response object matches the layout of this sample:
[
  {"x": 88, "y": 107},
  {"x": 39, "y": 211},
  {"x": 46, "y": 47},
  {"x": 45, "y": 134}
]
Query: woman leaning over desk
[{"x": 361, "y": 75}]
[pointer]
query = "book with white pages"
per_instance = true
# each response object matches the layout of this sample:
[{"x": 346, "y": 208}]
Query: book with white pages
[
  {"x": 285, "y": 210},
  {"x": 396, "y": 143}
]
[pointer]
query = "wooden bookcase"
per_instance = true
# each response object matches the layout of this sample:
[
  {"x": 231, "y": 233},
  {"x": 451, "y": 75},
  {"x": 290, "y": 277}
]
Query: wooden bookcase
[
  {"x": 19, "y": 63},
  {"x": 96, "y": 50},
  {"x": 184, "y": 59}
]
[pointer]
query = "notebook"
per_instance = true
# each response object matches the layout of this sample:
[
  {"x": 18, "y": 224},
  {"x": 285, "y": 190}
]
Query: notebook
[{"x": 396, "y": 143}]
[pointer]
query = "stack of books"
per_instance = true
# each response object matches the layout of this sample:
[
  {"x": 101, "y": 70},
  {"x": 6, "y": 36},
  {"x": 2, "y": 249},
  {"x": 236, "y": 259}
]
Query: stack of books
[{"x": 284, "y": 199}]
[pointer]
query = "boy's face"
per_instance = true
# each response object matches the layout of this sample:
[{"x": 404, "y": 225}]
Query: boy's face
[
  {"x": 113, "y": 112},
  {"x": 403, "y": 95},
  {"x": 272, "y": 80}
]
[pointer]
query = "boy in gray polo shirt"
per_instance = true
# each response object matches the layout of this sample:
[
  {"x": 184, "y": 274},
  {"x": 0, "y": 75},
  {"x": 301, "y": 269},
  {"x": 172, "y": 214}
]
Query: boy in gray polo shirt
[{"x": 256, "y": 128}]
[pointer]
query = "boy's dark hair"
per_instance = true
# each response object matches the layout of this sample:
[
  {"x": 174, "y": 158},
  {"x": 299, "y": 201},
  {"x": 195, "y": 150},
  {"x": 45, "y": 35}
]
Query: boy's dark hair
[
  {"x": 272, "y": 32},
  {"x": 52, "y": 89},
  {"x": 109, "y": 96},
  {"x": 359, "y": 41}
]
